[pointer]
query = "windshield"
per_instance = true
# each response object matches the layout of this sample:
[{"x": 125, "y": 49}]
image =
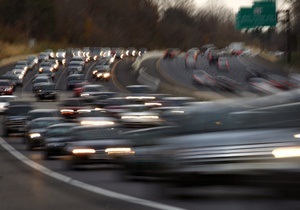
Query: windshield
[
  {"x": 18, "y": 111},
  {"x": 60, "y": 131},
  {"x": 42, "y": 123},
  {"x": 96, "y": 134}
]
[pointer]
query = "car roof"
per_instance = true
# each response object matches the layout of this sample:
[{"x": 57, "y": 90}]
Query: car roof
[{"x": 43, "y": 110}]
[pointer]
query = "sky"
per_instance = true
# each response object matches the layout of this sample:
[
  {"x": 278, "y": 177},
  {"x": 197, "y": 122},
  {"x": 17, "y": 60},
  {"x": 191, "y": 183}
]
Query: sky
[{"x": 235, "y": 4}]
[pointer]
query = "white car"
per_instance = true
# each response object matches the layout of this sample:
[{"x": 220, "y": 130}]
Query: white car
[{"x": 5, "y": 101}]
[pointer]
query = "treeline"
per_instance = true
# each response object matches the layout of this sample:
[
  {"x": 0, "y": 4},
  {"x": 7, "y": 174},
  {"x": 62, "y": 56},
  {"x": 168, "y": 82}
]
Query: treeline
[{"x": 120, "y": 23}]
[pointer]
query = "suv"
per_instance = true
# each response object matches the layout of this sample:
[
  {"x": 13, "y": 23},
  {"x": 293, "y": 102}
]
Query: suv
[{"x": 15, "y": 119}]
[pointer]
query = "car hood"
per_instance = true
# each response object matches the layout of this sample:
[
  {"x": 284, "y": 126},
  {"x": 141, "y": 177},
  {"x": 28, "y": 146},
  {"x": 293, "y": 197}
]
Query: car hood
[{"x": 39, "y": 130}]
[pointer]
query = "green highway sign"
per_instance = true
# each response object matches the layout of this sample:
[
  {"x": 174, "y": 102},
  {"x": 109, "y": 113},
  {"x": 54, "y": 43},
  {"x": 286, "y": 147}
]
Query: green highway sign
[{"x": 262, "y": 13}]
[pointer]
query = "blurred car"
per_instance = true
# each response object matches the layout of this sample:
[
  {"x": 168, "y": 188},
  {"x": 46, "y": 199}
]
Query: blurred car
[
  {"x": 5, "y": 102},
  {"x": 22, "y": 64},
  {"x": 39, "y": 79},
  {"x": 139, "y": 89},
  {"x": 224, "y": 83},
  {"x": 43, "y": 57},
  {"x": 263, "y": 157},
  {"x": 87, "y": 147},
  {"x": 86, "y": 53},
  {"x": 69, "y": 107},
  {"x": 50, "y": 53},
  {"x": 74, "y": 79},
  {"x": 13, "y": 79},
  {"x": 55, "y": 139},
  {"x": 280, "y": 81},
  {"x": 102, "y": 74},
  {"x": 131, "y": 52},
  {"x": 141, "y": 119},
  {"x": 32, "y": 61},
  {"x": 78, "y": 59},
  {"x": 61, "y": 56},
  {"x": 54, "y": 63},
  {"x": 6, "y": 88},
  {"x": 95, "y": 54},
  {"x": 213, "y": 57},
  {"x": 73, "y": 69},
  {"x": 46, "y": 91},
  {"x": 49, "y": 71},
  {"x": 95, "y": 117},
  {"x": 142, "y": 51},
  {"x": 223, "y": 64},
  {"x": 99, "y": 100},
  {"x": 201, "y": 77},
  {"x": 91, "y": 90},
  {"x": 76, "y": 52},
  {"x": 171, "y": 53},
  {"x": 45, "y": 64},
  {"x": 76, "y": 64},
  {"x": 15, "y": 118},
  {"x": 36, "y": 130},
  {"x": 191, "y": 57},
  {"x": 38, "y": 113},
  {"x": 261, "y": 86}
]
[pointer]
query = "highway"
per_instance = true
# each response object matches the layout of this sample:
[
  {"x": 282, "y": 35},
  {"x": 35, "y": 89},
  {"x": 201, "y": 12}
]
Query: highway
[{"x": 50, "y": 185}]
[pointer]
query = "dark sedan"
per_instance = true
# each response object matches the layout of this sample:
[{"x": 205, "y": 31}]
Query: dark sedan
[
  {"x": 55, "y": 139},
  {"x": 96, "y": 145},
  {"x": 36, "y": 130},
  {"x": 74, "y": 79},
  {"x": 201, "y": 77},
  {"x": 46, "y": 91},
  {"x": 6, "y": 88}
]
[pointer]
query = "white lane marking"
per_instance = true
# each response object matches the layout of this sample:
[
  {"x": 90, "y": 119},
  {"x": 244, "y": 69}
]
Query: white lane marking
[{"x": 83, "y": 185}]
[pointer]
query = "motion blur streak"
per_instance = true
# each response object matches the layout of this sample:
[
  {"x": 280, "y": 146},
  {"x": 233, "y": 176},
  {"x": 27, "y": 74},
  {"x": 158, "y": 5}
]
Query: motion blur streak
[
  {"x": 287, "y": 152},
  {"x": 82, "y": 185}
]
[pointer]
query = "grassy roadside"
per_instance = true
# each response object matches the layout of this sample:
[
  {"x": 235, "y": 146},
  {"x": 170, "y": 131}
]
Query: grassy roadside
[
  {"x": 294, "y": 65},
  {"x": 8, "y": 50}
]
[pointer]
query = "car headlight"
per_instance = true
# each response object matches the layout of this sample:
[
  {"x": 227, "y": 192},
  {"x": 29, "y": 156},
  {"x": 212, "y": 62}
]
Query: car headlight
[
  {"x": 95, "y": 72},
  {"x": 99, "y": 75},
  {"x": 106, "y": 75},
  {"x": 124, "y": 150},
  {"x": 83, "y": 151},
  {"x": 140, "y": 117},
  {"x": 87, "y": 122},
  {"x": 34, "y": 135},
  {"x": 40, "y": 70},
  {"x": 84, "y": 94},
  {"x": 67, "y": 111},
  {"x": 286, "y": 152},
  {"x": 8, "y": 89}
]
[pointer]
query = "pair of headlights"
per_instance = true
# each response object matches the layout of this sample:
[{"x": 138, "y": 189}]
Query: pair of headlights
[{"x": 109, "y": 151}]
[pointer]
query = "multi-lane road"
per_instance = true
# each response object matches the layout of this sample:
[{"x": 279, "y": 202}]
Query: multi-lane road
[{"x": 29, "y": 182}]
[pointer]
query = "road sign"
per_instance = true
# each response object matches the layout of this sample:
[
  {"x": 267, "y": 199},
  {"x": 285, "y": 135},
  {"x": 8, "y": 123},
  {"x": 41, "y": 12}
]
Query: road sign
[
  {"x": 244, "y": 18},
  {"x": 262, "y": 13}
]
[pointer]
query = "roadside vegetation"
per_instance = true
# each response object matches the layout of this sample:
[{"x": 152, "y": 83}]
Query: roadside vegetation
[{"x": 154, "y": 24}]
